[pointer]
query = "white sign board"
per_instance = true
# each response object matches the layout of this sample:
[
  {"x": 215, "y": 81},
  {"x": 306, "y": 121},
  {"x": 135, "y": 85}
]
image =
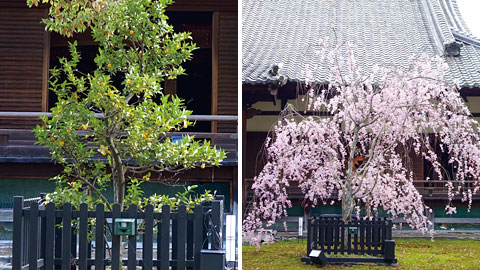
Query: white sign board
[
  {"x": 300, "y": 226},
  {"x": 314, "y": 253},
  {"x": 230, "y": 237}
]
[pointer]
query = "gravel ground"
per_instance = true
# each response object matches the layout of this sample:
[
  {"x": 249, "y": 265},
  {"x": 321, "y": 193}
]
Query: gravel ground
[{"x": 456, "y": 234}]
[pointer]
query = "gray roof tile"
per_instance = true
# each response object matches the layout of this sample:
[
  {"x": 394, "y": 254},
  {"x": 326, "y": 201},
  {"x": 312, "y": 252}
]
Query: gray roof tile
[{"x": 385, "y": 32}]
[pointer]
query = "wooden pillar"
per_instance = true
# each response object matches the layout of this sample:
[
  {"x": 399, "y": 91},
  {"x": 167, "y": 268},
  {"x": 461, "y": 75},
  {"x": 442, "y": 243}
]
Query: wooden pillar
[{"x": 215, "y": 32}]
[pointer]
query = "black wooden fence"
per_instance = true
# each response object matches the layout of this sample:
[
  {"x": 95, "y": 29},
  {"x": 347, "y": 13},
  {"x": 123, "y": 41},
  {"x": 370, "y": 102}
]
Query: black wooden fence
[
  {"x": 363, "y": 237},
  {"x": 50, "y": 238}
]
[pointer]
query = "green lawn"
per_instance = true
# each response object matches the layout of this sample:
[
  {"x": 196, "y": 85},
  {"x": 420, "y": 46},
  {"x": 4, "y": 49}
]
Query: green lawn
[{"x": 411, "y": 254}]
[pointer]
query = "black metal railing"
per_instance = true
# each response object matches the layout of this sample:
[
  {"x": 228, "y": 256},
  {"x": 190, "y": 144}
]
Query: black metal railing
[{"x": 332, "y": 235}]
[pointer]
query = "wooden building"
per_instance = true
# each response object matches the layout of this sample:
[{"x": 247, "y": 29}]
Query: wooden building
[
  {"x": 27, "y": 52},
  {"x": 283, "y": 33}
]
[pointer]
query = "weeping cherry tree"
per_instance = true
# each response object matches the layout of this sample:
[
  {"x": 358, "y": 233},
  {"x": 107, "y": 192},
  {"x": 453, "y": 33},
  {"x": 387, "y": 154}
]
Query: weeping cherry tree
[{"x": 354, "y": 148}]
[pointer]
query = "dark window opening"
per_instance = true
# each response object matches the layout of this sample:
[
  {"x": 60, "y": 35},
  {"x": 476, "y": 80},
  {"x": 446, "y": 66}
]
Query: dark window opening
[
  {"x": 448, "y": 170},
  {"x": 195, "y": 87},
  {"x": 86, "y": 64}
]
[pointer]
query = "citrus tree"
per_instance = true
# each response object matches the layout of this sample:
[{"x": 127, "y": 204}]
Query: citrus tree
[
  {"x": 355, "y": 147},
  {"x": 102, "y": 132}
]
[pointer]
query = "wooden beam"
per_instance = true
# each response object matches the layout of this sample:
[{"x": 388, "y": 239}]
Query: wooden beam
[
  {"x": 171, "y": 87},
  {"x": 14, "y": 114},
  {"x": 45, "y": 73},
  {"x": 204, "y": 5},
  {"x": 215, "y": 27}
]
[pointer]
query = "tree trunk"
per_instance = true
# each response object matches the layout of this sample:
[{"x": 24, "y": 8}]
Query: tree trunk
[
  {"x": 347, "y": 210},
  {"x": 118, "y": 178},
  {"x": 119, "y": 191},
  {"x": 368, "y": 209},
  {"x": 347, "y": 192},
  {"x": 118, "y": 174}
]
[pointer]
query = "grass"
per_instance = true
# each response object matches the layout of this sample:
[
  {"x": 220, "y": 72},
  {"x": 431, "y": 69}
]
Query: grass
[{"x": 421, "y": 254}]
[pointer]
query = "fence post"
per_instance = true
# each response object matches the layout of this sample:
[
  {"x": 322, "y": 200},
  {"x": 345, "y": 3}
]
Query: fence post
[
  {"x": 315, "y": 233},
  {"x": 309, "y": 234},
  {"x": 43, "y": 238},
  {"x": 389, "y": 252},
  {"x": 148, "y": 239},
  {"x": 33, "y": 237},
  {"x": 214, "y": 259},
  {"x": 181, "y": 237},
  {"x": 17, "y": 232},
  {"x": 132, "y": 240},
  {"x": 217, "y": 220},
  {"x": 116, "y": 243},
  {"x": 198, "y": 235},
  {"x": 82, "y": 245},
  {"x": 49, "y": 236},
  {"x": 66, "y": 236},
  {"x": 163, "y": 245},
  {"x": 99, "y": 241}
]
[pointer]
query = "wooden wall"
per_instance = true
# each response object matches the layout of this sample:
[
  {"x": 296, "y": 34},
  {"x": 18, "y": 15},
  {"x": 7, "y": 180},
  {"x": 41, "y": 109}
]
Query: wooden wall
[
  {"x": 204, "y": 5},
  {"x": 226, "y": 66},
  {"x": 23, "y": 62},
  {"x": 24, "y": 54}
]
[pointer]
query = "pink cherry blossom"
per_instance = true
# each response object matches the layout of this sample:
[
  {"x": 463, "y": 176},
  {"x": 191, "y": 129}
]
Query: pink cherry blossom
[{"x": 381, "y": 116}]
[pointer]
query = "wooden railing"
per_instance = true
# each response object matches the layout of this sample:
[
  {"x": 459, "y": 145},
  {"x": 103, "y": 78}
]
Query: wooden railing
[
  {"x": 227, "y": 118},
  {"x": 436, "y": 189},
  {"x": 429, "y": 189},
  {"x": 25, "y": 138}
]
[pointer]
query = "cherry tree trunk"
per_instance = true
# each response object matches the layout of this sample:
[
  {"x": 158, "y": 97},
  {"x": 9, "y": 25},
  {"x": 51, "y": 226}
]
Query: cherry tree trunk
[{"x": 347, "y": 211}]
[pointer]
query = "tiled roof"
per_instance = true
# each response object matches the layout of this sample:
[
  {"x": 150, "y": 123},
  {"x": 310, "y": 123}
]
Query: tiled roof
[{"x": 287, "y": 33}]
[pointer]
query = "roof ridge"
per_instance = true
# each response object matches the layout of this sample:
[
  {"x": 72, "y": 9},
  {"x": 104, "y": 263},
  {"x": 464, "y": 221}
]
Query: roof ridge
[
  {"x": 432, "y": 25},
  {"x": 469, "y": 39},
  {"x": 458, "y": 27},
  {"x": 440, "y": 21},
  {"x": 456, "y": 16},
  {"x": 386, "y": 33}
]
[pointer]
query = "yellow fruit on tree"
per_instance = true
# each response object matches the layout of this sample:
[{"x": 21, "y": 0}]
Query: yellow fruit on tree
[{"x": 61, "y": 143}]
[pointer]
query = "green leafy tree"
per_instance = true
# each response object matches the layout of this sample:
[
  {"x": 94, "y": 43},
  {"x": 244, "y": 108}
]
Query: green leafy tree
[{"x": 102, "y": 132}]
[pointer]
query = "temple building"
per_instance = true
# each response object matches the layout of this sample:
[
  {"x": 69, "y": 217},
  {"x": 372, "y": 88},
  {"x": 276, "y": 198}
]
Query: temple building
[
  {"x": 279, "y": 40},
  {"x": 28, "y": 51}
]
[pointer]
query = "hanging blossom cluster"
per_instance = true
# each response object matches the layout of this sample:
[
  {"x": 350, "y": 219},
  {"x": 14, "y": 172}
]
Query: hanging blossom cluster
[{"x": 382, "y": 117}]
